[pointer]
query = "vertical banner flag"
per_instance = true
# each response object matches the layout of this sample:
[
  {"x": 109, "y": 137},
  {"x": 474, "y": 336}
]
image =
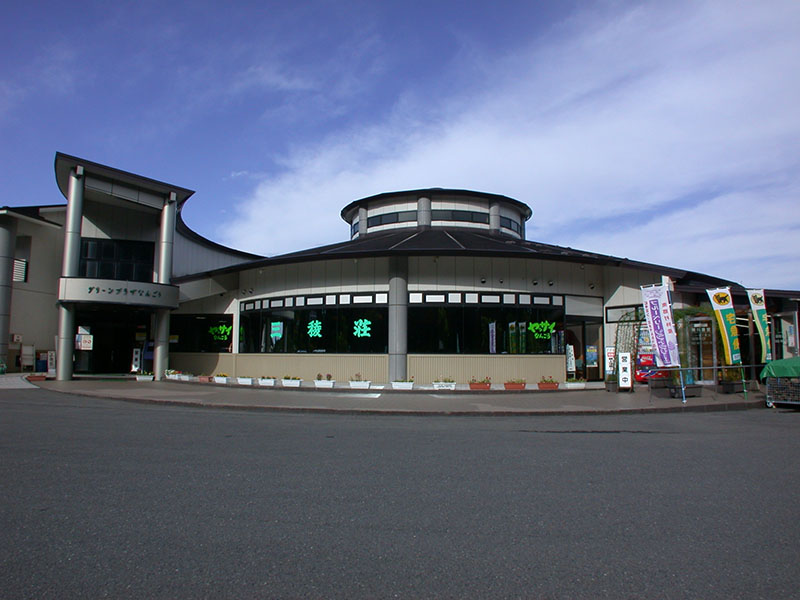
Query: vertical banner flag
[
  {"x": 658, "y": 312},
  {"x": 722, "y": 302},
  {"x": 759, "y": 308}
]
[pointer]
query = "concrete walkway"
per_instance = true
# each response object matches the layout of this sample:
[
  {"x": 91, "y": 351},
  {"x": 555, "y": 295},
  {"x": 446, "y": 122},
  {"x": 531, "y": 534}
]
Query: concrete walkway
[{"x": 387, "y": 401}]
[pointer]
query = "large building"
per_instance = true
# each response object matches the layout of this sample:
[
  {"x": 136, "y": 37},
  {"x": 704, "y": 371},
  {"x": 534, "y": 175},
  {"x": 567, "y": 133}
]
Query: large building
[{"x": 433, "y": 283}]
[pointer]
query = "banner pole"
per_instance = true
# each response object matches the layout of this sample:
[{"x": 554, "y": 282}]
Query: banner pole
[
  {"x": 744, "y": 384},
  {"x": 683, "y": 386}
]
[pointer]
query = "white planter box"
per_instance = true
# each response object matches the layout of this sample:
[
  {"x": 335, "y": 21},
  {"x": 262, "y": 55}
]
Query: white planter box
[
  {"x": 144, "y": 378},
  {"x": 244, "y": 380},
  {"x": 291, "y": 382},
  {"x": 186, "y": 377},
  {"x": 220, "y": 379},
  {"x": 324, "y": 383},
  {"x": 444, "y": 385},
  {"x": 360, "y": 385},
  {"x": 575, "y": 385},
  {"x": 266, "y": 382},
  {"x": 172, "y": 376},
  {"x": 402, "y": 385}
]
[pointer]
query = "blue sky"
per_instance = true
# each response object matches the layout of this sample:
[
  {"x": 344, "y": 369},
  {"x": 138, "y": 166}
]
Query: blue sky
[{"x": 667, "y": 132}]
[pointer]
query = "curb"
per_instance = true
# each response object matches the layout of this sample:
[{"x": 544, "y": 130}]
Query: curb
[{"x": 728, "y": 406}]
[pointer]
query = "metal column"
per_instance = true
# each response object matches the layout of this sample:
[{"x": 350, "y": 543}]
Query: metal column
[
  {"x": 398, "y": 318},
  {"x": 163, "y": 275},
  {"x": 8, "y": 239},
  {"x": 70, "y": 268}
]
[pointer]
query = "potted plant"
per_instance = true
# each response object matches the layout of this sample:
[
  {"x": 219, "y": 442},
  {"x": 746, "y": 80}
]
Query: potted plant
[
  {"x": 172, "y": 374},
  {"x": 221, "y": 378},
  {"x": 185, "y": 377},
  {"x": 730, "y": 382},
  {"x": 612, "y": 385},
  {"x": 548, "y": 383},
  {"x": 575, "y": 383},
  {"x": 205, "y": 378},
  {"x": 291, "y": 381},
  {"x": 144, "y": 376},
  {"x": 357, "y": 382},
  {"x": 403, "y": 384},
  {"x": 480, "y": 384},
  {"x": 244, "y": 380},
  {"x": 326, "y": 383},
  {"x": 514, "y": 384},
  {"x": 444, "y": 383},
  {"x": 266, "y": 381}
]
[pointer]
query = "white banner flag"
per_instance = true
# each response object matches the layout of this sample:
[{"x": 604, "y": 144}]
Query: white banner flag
[{"x": 658, "y": 312}]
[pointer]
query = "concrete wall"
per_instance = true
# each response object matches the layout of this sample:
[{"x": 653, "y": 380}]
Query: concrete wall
[
  {"x": 441, "y": 273},
  {"x": 119, "y": 223},
  {"x": 375, "y": 367},
  {"x": 341, "y": 366},
  {"x": 33, "y": 302},
  {"x": 191, "y": 257},
  {"x": 324, "y": 276},
  {"x": 426, "y": 368}
]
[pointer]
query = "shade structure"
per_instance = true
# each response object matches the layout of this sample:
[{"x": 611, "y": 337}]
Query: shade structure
[{"x": 787, "y": 367}]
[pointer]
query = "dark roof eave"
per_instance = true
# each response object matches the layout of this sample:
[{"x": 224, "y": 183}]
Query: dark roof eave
[{"x": 341, "y": 251}]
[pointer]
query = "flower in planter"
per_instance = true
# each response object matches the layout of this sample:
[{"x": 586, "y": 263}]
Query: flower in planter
[
  {"x": 516, "y": 381},
  {"x": 357, "y": 377},
  {"x": 548, "y": 379},
  {"x": 486, "y": 379}
]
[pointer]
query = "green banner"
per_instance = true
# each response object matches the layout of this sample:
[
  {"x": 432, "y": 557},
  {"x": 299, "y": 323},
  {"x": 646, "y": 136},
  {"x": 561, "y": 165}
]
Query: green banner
[
  {"x": 759, "y": 308},
  {"x": 722, "y": 302}
]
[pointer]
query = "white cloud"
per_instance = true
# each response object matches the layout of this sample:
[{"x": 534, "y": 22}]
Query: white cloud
[{"x": 616, "y": 115}]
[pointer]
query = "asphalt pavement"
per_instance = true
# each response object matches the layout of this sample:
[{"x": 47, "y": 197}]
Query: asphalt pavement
[{"x": 423, "y": 400}]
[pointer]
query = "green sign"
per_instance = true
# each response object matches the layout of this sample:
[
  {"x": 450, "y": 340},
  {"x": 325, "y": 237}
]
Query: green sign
[
  {"x": 220, "y": 332},
  {"x": 362, "y": 328},
  {"x": 542, "y": 330},
  {"x": 315, "y": 328},
  {"x": 276, "y": 330}
]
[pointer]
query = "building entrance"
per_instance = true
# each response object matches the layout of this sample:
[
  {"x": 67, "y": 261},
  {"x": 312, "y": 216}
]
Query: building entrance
[
  {"x": 584, "y": 335},
  {"x": 114, "y": 335}
]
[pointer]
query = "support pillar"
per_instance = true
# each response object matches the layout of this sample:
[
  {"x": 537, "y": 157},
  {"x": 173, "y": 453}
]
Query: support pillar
[
  {"x": 161, "y": 344},
  {"x": 494, "y": 217},
  {"x": 70, "y": 268},
  {"x": 398, "y": 318},
  {"x": 163, "y": 274},
  {"x": 362, "y": 221},
  {"x": 8, "y": 243},
  {"x": 424, "y": 215}
]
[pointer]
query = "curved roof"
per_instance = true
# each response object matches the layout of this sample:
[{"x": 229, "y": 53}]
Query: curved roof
[
  {"x": 64, "y": 163},
  {"x": 432, "y": 193},
  {"x": 458, "y": 242}
]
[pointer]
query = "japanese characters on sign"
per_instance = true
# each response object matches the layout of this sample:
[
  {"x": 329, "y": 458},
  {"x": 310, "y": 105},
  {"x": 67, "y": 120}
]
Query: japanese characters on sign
[
  {"x": 625, "y": 373},
  {"x": 722, "y": 303},
  {"x": 542, "y": 330},
  {"x": 758, "y": 306},
  {"x": 135, "y": 291},
  {"x": 658, "y": 313}
]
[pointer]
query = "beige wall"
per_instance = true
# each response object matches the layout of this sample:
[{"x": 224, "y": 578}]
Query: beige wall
[
  {"x": 33, "y": 302},
  {"x": 426, "y": 368},
  {"x": 342, "y": 367},
  {"x": 374, "y": 367},
  {"x": 442, "y": 273},
  {"x": 118, "y": 222}
]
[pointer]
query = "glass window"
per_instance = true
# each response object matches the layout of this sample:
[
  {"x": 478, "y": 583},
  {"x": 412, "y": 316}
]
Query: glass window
[
  {"x": 124, "y": 260},
  {"x": 485, "y": 330},
  {"x": 201, "y": 333},
  {"x": 315, "y": 329}
]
